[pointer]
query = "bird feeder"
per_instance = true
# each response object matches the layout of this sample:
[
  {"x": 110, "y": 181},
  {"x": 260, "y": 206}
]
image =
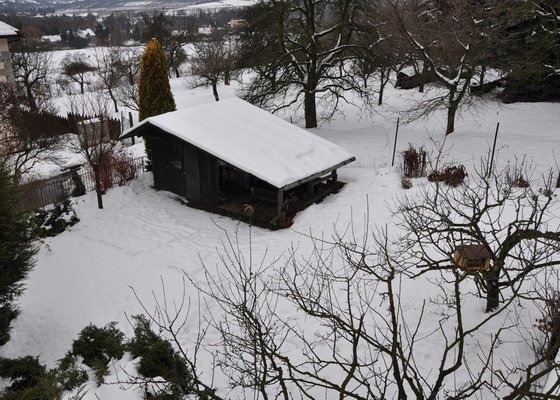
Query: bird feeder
[{"x": 472, "y": 257}]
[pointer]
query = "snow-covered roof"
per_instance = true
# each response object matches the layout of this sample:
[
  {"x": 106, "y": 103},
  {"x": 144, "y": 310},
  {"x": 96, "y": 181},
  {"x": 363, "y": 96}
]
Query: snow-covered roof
[
  {"x": 51, "y": 38},
  {"x": 7, "y": 30},
  {"x": 251, "y": 139},
  {"x": 85, "y": 33}
]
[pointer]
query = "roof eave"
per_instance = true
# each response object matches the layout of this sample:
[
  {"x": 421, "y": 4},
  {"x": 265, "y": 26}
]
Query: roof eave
[
  {"x": 137, "y": 130},
  {"x": 317, "y": 175}
]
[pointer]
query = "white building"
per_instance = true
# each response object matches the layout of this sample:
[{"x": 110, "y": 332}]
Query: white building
[{"x": 7, "y": 33}]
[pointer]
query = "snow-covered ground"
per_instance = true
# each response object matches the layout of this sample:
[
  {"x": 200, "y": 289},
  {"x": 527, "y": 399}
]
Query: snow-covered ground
[{"x": 144, "y": 237}]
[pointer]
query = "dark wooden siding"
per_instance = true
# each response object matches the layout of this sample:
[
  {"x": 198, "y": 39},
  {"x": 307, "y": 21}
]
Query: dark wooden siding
[
  {"x": 197, "y": 179},
  {"x": 167, "y": 164},
  {"x": 208, "y": 169},
  {"x": 192, "y": 175}
]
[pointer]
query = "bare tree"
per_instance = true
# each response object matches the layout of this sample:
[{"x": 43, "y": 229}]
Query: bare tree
[
  {"x": 452, "y": 39},
  {"x": 76, "y": 69},
  {"x": 22, "y": 144},
  {"x": 211, "y": 63},
  {"x": 306, "y": 44},
  {"x": 352, "y": 288},
  {"x": 513, "y": 224},
  {"x": 93, "y": 136},
  {"x": 172, "y": 42},
  {"x": 107, "y": 63},
  {"x": 128, "y": 66},
  {"x": 32, "y": 70}
]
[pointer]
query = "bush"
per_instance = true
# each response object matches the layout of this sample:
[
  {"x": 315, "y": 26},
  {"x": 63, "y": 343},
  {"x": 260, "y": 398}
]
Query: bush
[
  {"x": 51, "y": 221},
  {"x": 124, "y": 169},
  {"x": 549, "y": 324},
  {"x": 99, "y": 345},
  {"x": 519, "y": 181},
  {"x": 158, "y": 358},
  {"x": 406, "y": 183},
  {"x": 117, "y": 169},
  {"x": 23, "y": 372},
  {"x": 69, "y": 374},
  {"x": 414, "y": 162},
  {"x": 453, "y": 175},
  {"x": 47, "y": 388}
]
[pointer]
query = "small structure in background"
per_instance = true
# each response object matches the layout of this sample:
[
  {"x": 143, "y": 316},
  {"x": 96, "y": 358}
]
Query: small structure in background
[
  {"x": 237, "y": 24},
  {"x": 472, "y": 257},
  {"x": 7, "y": 33},
  {"x": 234, "y": 159}
]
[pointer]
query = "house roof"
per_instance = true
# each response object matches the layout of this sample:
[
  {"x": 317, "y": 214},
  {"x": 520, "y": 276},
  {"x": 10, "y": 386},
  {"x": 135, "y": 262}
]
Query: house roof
[
  {"x": 252, "y": 140},
  {"x": 7, "y": 30}
]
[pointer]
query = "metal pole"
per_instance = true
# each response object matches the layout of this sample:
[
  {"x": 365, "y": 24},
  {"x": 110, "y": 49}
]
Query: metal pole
[
  {"x": 493, "y": 149},
  {"x": 395, "y": 145}
]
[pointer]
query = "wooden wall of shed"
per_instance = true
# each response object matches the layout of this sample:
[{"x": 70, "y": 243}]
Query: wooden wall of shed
[
  {"x": 198, "y": 180},
  {"x": 209, "y": 179},
  {"x": 192, "y": 174}
]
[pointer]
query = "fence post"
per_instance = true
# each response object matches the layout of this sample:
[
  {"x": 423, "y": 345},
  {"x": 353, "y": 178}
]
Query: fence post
[
  {"x": 395, "y": 144},
  {"x": 493, "y": 150},
  {"x": 130, "y": 124}
]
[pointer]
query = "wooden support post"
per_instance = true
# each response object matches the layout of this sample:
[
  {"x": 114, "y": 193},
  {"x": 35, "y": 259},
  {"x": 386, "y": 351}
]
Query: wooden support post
[
  {"x": 334, "y": 176},
  {"x": 310, "y": 188},
  {"x": 281, "y": 216}
]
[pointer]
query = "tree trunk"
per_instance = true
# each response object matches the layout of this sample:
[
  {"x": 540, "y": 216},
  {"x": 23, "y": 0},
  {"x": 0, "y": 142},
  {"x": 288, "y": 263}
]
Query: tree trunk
[
  {"x": 31, "y": 100},
  {"x": 424, "y": 71},
  {"x": 97, "y": 176},
  {"x": 82, "y": 86},
  {"x": 215, "y": 90},
  {"x": 176, "y": 72},
  {"x": 114, "y": 101},
  {"x": 451, "y": 111},
  {"x": 492, "y": 293},
  {"x": 482, "y": 75},
  {"x": 385, "y": 74},
  {"x": 310, "y": 109}
]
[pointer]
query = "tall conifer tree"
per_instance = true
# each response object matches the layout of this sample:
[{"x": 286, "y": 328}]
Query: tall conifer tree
[
  {"x": 154, "y": 92},
  {"x": 16, "y": 251}
]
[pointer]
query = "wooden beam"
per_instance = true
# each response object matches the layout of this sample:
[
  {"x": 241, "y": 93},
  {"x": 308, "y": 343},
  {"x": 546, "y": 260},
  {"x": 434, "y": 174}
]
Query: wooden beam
[
  {"x": 281, "y": 215},
  {"x": 318, "y": 174}
]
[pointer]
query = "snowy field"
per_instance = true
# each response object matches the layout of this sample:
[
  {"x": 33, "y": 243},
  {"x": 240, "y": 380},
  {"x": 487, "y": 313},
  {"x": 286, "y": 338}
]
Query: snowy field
[{"x": 144, "y": 237}]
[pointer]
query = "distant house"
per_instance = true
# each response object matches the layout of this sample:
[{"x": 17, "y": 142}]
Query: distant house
[
  {"x": 206, "y": 30},
  {"x": 85, "y": 33},
  {"x": 51, "y": 38},
  {"x": 235, "y": 159},
  {"x": 7, "y": 33}
]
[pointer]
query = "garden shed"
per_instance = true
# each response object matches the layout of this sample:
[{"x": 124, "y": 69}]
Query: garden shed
[{"x": 236, "y": 159}]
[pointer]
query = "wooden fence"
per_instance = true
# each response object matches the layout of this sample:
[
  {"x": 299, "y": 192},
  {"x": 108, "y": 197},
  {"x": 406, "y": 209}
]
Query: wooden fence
[{"x": 36, "y": 124}]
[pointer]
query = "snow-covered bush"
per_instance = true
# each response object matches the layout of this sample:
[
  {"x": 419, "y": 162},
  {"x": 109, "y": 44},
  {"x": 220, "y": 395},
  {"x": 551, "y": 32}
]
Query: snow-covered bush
[
  {"x": 159, "y": 359},
  {"x": 70, "y": 374},
  {"x": 23, "y": 372},
  {"x": 52, "y": 220},
  {"x": 97, "y": 346}
]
